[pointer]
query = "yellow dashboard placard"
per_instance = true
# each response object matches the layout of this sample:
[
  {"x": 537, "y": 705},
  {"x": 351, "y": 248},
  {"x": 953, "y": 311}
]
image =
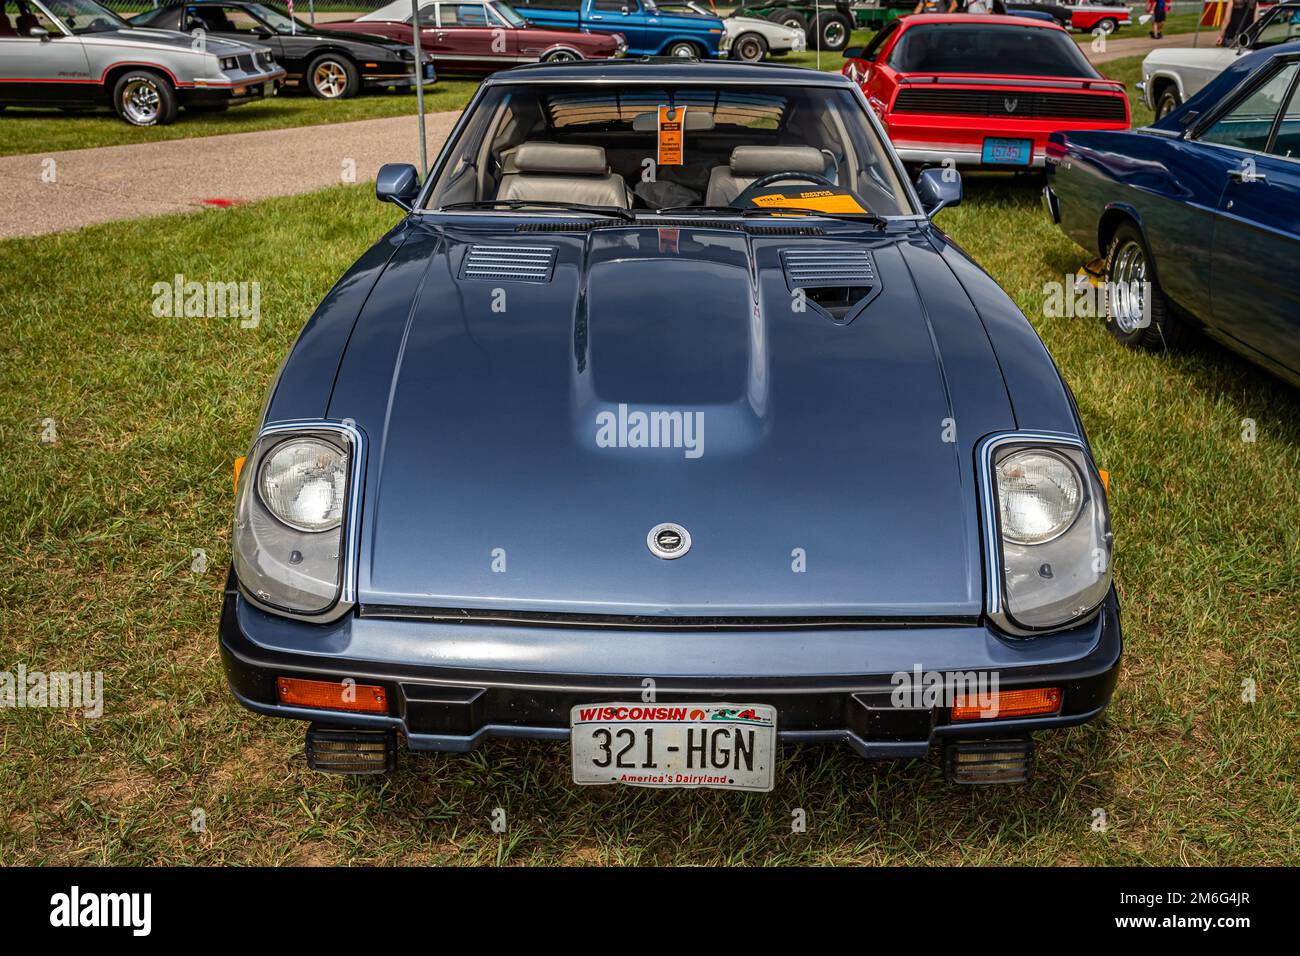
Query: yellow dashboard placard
[
  {"x": 822, "y": 200},
  {"x": 672, "y": 124}
]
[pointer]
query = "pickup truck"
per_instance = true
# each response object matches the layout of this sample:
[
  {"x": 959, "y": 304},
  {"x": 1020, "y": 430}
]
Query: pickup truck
[{"x": 647, "y": 30}]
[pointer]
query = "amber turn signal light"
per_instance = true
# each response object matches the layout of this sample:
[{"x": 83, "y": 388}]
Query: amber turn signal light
[
  {"x": 332, "y": 695},
  {"x": 1105, "y": 479},
  {"x": 239, "y": 466},
  {"x": 1010, "y": 703}
]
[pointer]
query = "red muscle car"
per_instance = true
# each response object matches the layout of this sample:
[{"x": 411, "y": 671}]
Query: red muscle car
[
  {"x": 1090, "y": 15},
  {"x": 981, "y": 90},
  {"x": 481, "y": 36}
]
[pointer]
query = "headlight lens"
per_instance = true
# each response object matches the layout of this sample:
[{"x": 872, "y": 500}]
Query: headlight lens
[
  {"x": 1039, "y": 494},
  {"x": 228, "y": 63},
  {"x": 303, "y": 482},
  {"x": 290, "y": 516},
  {"x": 1055, "y": 548}
]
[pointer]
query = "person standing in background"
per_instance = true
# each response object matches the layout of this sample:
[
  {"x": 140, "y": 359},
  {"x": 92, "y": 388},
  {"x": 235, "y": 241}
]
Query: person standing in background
[
  {"x": 1158, "y": 10},
  {"x": 934, "y": 6},
  {"x": 1242, "y": 14}
]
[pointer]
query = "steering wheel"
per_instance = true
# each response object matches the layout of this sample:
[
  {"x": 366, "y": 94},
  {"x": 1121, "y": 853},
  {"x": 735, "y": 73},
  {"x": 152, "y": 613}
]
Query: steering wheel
[{"x": 746, "y": 198}]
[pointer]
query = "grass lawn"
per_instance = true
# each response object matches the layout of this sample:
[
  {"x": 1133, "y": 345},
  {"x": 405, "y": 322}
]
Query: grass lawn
[
  {"x": 46, "y": 131},
  {"x": 100, "y": 530}
]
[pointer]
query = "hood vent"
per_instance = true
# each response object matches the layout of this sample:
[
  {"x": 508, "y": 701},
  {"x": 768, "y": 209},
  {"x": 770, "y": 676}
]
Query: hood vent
[
  {"x": 554, "y": 226},
  {"x": 839, "y": 281},
  {"x": 509, "y": 263}
]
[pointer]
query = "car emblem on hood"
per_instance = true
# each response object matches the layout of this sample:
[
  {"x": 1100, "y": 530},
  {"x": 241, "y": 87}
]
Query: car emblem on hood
[
  {"x": 668, "y": 541},
  {"x": 1010, "y": 103}
]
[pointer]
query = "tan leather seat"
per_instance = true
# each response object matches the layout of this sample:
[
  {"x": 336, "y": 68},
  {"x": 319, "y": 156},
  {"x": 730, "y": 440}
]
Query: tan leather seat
[
  {"x": 562, "y": 172},
  {"x": 751, "y": 163}
]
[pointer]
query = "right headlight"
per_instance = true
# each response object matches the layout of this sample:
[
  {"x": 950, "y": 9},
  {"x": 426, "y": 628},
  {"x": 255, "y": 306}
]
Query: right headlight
[
  {"x": 295, "y": 517},
  {"x": 1050, "y": 533}
]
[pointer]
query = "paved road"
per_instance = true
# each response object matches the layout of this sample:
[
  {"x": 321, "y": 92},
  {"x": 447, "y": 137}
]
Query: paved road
[
  {"x": 1142, "y": 45},
  {"x": 148, "y": 179}
]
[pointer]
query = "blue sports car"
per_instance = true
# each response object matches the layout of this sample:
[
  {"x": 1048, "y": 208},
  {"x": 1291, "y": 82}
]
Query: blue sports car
[
  {"x": 666, "y": 424},
  {"x": 1198, "y": 215}
]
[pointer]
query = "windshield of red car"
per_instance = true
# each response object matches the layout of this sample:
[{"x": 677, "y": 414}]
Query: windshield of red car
[
  {"x": 603, "y": 144},
  {"x": 997, "y": 49}
]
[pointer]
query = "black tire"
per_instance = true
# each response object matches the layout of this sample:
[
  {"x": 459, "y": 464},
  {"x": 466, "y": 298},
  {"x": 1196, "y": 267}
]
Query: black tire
[
  {"x": 833, "y": 29},
  {"x": 332, "y": 76},
  {"x": 1107, "y": 25},
  {"x": 1168, "y": 101},
  {"x": 793, "y": 19},
  {"x": 1164, "y": 329},
  {"x": 750, "y": 47},
  {"x": 144, "y": 98},
  {"x": 684, "y": 49}
]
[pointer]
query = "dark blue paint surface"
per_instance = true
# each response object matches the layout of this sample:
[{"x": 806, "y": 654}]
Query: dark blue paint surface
[{"x": 1225, "y": 251}]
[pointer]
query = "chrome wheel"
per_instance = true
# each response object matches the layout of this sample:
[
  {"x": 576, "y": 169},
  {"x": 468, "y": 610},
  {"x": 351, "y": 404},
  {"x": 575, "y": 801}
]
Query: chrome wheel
[
  {"x": 834, "y": 35},
  {"x": 683, "y": 50},
  {"x": 561, "y": 56},
  {"x": 330, "y": 79},
  {"x": 1127, "y": 287},
  {"x": 141, "y": 102}
]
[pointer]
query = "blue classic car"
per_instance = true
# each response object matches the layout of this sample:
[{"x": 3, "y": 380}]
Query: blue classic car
[
  {"x": 1198, "y": 215},
  {"x": 647, "y": 30},
  {"x": 666, "y": 424}
]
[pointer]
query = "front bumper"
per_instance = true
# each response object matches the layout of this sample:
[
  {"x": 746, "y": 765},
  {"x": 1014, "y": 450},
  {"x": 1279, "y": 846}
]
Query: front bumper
[
  {"x": 255, "y": 86},
  {"x": 961, "y": 155},
  {"x": 397, "y": 75},
  {"x": 450, "y": 685}
]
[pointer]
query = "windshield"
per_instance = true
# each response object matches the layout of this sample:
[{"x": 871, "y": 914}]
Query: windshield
[
  {"x": 1279, "y": 25},
  {"x": 617, "y": 146},
  {"x": 508, "y": 12},
  {"x": 278, "y": 21},
  {"x": 996, "y": 49},
  {"x": 86, "y": 16}
]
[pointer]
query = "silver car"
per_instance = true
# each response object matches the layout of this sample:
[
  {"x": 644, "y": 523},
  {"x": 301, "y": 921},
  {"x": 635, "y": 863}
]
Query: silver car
[{"x": 76, "y": 54}]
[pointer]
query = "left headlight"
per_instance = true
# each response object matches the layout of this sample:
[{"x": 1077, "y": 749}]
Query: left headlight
[
  {"x": 229, "y": 64},
  {"x": 293, "y": 518},
  {"x": 1049, "y": 533}
]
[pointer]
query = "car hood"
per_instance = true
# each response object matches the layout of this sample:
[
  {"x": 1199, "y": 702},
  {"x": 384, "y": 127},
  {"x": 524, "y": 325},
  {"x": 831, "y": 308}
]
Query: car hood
[
  {"x": 174, "y": 40},
  {"x": 1205, "y": 58},
  {"x": 360, "y": 39},
  {"x": 505, "y": 469}
]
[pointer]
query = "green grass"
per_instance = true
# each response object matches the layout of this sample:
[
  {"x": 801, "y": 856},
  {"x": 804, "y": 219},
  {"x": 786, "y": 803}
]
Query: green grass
[
  {"x": 46, "y": 131},
  {"x": 99, "y": 530}
]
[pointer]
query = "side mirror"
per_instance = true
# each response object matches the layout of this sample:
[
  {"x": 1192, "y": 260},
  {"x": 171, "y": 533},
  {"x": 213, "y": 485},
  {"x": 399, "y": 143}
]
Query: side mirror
[
  {"x": 853, "y": 53},
  {"x": 626, "y": 11},
  {"x": 397, "y": 183},
  {"x": 938, "y": 188},
  {"x": 39, "y": 33}
]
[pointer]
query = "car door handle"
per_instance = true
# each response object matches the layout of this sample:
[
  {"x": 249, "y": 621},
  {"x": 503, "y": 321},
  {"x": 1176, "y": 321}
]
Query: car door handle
[{"x": 1246, "y": 176}]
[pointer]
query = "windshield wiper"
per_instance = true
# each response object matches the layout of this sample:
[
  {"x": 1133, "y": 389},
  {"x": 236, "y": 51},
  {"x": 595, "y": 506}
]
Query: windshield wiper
[
  {"x": 778, "y": 211},
  {"x": 612, "y": 211}
]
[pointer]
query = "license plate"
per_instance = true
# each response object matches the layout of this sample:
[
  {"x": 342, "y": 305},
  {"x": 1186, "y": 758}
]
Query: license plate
[
  {"x": 1008, "y": 152},
  {"x": 722, "y": 746}
]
